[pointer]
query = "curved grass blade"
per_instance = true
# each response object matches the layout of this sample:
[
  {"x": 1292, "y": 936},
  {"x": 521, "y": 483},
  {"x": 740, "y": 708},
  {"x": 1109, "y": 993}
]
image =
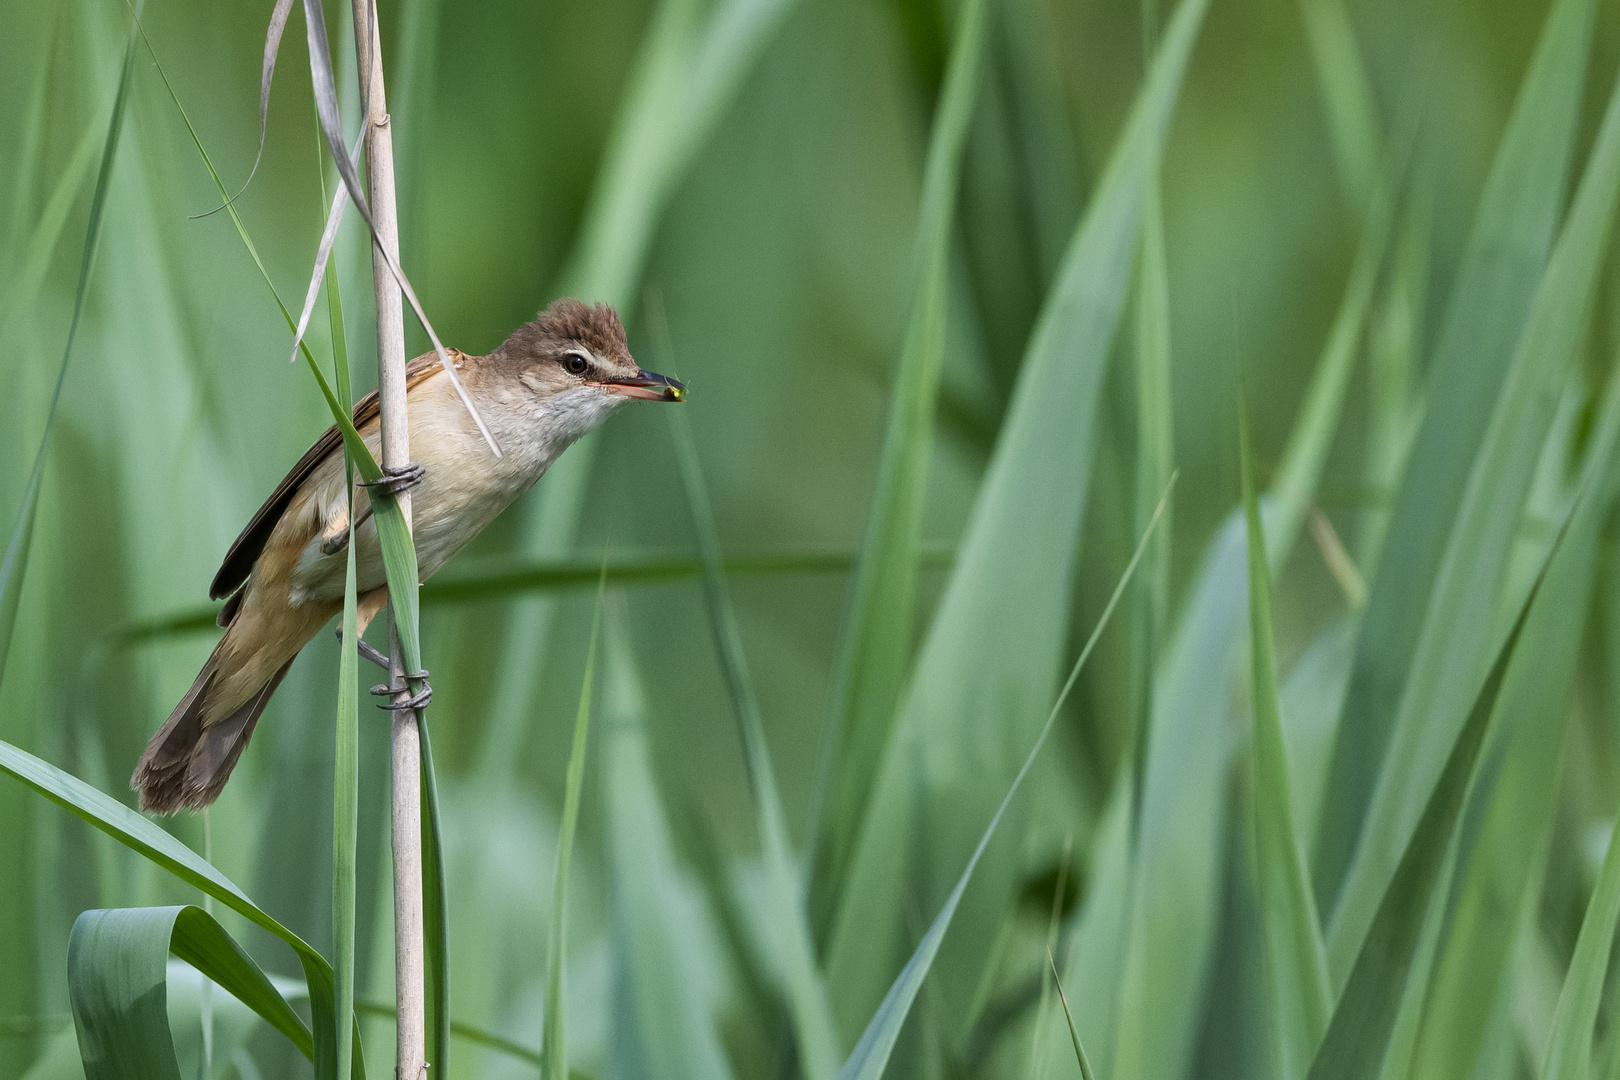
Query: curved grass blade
[
  {"x": 1496, "y": 282},
  {"x": 14, "y": 563},
  {"x": 1017, "y": 562},
  {"x": 552, "y": 1035},
  {"x": 803, "y": 989},
  {"x": 1359, "y": 1030},
  {"x": 267, "y": 72},
  {"x": 326, "y": 108},
  {"x": 1296, "y": 966},
  {"x": 118, "y": 971},
  {"x": 145, "y": 838},
  {"x": 871, "y": 1053},
  {"x": 1450, "y": 649},
  {"x": 875, "y": 640}
]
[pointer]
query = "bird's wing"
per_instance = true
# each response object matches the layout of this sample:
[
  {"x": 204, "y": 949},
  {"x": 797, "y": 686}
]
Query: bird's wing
[{"x": 245, "y": 550}]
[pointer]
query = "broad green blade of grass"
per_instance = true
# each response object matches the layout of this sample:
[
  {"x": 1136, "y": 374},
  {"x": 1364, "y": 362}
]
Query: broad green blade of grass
[
  {"x": 1175, "y": 881},
  {"x": 871, "y": 1054},
  {"x": 691, "y": 65},
  {"x": 435, "y": 905},
  {"x": 1452, "y": 648},
  {"x": 1296, "y": 966},
  {"x": 947, "y": 762},
  {"x": 553, "y": 1037},
  {"x": 144, "y": 837},
  {"x": 1511, "y": 805},
  {"x": 1495, "y": 283},
  {"x": 1359, "y": 1031},
  {"x": 346, "y": 729},
  {"x": 14, "y": 563},
  {"x": 802, "y": 986},
  {"x": 663, "y": 999},
  {"x": 118, "y": 973},
  {"x": 684, "y": 79},
  {"x": 876, "y": 638},
  {"x": 1347, "y": 96}
]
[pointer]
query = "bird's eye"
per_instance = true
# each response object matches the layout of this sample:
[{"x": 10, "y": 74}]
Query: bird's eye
[{"x": 575, "y": 364}]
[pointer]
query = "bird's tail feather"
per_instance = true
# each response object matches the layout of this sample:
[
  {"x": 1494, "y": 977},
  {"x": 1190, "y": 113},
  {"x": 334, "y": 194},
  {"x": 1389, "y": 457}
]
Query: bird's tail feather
[{"x": 187, "y": 762}]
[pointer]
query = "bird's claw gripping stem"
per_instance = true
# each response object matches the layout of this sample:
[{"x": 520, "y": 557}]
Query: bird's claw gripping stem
[
  {"x": 397, "y": 479},
  {"x": 417, "y": 700}
]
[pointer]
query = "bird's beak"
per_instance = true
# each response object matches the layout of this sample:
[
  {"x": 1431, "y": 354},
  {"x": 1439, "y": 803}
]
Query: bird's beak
[{"x": 648, "y": 385}]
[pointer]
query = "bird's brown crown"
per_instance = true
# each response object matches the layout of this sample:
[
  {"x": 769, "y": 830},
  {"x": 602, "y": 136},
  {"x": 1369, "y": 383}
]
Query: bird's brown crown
[{"x": 595, "y": 326}]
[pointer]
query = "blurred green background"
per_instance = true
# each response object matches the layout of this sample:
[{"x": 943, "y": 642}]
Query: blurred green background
[{"x": 773, "y": 272}]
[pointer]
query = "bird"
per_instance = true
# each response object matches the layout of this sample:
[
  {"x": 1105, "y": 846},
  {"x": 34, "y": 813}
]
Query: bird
[{"x": 551, "y": 381}]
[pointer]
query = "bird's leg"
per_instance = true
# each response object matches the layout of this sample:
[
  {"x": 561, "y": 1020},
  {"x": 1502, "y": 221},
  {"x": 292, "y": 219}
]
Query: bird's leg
[
  {"x": 417, "y": 700},
  {"x": 397, "y": 479},
  {"x": 335, "y": 535},
  {"x": 367, "y": 651}
]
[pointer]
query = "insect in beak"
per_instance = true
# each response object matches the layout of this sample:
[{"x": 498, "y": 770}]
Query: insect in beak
[{"x": 647, "y": 385}]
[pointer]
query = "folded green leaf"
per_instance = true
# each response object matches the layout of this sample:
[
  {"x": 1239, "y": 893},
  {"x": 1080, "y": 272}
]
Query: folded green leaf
[
  {"x": 144, "y": 837},
  {"x": 118, "y": 970}
]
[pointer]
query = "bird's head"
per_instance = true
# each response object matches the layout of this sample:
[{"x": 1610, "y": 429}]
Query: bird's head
[{"x": 575, "y": 354}]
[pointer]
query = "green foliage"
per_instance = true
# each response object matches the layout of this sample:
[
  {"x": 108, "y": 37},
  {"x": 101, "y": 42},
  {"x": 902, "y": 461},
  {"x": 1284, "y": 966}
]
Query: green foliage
[
  {"x": 957, "y": 289},
  {"x": 1296, "y": 967}
]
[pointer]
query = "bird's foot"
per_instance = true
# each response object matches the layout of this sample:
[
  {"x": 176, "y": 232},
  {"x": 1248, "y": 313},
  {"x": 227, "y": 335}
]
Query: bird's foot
[
  {"x": 368, "y": 652},
  {"x": 417, "y": 700},
  {"x": 397, "y": 479}
]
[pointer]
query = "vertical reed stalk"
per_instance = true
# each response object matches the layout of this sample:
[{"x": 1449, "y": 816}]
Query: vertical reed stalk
[{"x": 409, "y": 971}]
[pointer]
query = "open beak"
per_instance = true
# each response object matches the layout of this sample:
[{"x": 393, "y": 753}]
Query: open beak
[{"x": 648, "y": 385}]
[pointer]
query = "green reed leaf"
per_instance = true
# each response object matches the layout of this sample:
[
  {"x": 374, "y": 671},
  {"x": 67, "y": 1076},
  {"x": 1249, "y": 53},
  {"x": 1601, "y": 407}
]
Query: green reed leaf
[
  {"x": 552, "y": 1035},
  {"x": 1296, "y": 966}
]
